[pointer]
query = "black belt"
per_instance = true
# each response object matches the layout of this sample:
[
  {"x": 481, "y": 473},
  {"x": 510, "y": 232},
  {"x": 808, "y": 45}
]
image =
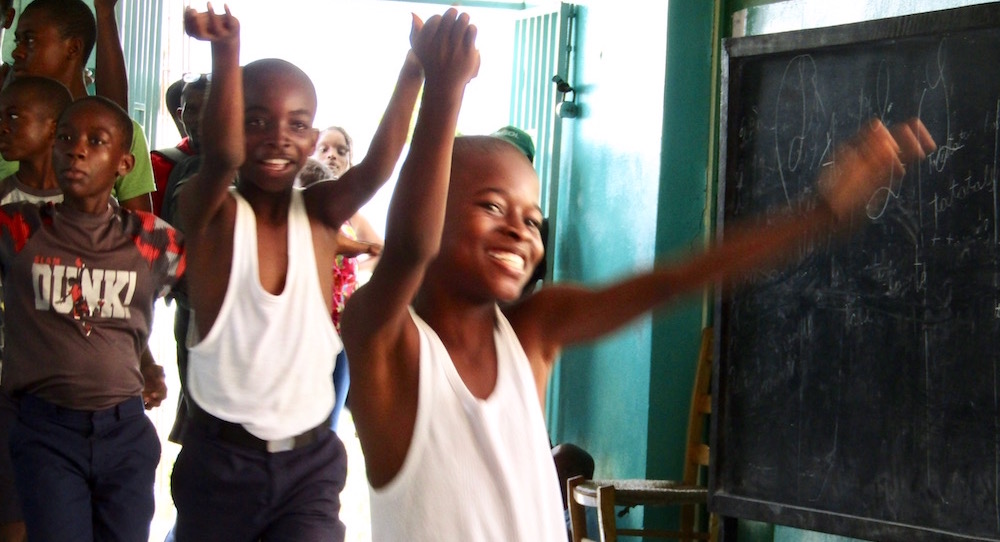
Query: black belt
[{"x": 235, "y": 433}]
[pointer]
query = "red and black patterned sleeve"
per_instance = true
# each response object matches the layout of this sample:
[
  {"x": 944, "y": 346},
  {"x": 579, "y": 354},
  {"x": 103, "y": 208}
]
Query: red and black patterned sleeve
[
  {"x": 18, "y": 222},
  {"x": 162, "y": 246}
]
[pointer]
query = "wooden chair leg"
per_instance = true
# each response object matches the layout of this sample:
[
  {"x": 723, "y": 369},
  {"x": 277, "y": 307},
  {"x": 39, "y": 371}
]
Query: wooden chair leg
[
  {"x": 606, "y": 513},
  {"x": 577, "y": 513}
]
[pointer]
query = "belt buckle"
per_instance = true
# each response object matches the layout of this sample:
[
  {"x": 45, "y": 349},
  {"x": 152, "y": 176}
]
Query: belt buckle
[{"x": 281, "y": 445}]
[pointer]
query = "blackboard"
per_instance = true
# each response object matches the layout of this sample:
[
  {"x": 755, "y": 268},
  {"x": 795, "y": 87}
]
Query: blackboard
[{"x": 857, "y": 388}]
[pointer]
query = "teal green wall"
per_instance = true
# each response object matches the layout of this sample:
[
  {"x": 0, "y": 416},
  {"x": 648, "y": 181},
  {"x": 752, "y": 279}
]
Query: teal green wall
[
  {"x": 637, "y": 186},
  {"x": 606, "y": 227},
  {"x": 631, "y": 192}
]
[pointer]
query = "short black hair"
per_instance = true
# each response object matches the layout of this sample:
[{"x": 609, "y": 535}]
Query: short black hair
[
  {"x": 313, "y": 171},
  {"x": 481, "y": 144},
  {"x": 198, "y": 84},
  {"x": 259, "y": 72},
  {"x": 52, "y": 95},
  {"x": 118, "y": 115},
  {"x": 73, "y": 18},
  {"x": 172, "y": 97}
]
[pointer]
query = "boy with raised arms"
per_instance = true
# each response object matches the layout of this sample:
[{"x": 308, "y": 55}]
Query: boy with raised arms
[
  {"x": 449, "y": 363},
  {"x": 259, "y": 461}
]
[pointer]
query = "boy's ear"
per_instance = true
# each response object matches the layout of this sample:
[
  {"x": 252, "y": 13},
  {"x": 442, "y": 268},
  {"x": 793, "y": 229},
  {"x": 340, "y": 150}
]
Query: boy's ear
[
  {"x": 51, "y": 126},
  {"x": 74, "y": 50},
  {"x": 126, "y": 164}
]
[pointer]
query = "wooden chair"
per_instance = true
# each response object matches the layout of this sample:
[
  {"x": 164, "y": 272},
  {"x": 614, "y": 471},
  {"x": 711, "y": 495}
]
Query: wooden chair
[{"x": 688, "y": 493}]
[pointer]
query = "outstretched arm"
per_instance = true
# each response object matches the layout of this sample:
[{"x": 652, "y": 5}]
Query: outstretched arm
[
  {"x": 562, "y": 315},
  {"x": 335, "y": 203},
  {"x": 222, "y": 147},
  {"x": 111, "y": 78}
]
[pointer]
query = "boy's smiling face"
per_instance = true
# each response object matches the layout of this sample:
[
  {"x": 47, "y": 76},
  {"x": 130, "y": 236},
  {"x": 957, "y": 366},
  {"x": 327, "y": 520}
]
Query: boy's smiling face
[
  {"x": 25, "y": 125},
  {"x": 492, "y": 240},
  {"x": 90, "y": 152},
  {"x": 278, "y": 117}
]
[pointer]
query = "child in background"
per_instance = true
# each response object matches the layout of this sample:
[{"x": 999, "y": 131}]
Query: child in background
[
  {"x": 172, "y": 99},
  {"x": 448, "y": 386},
  {"x": 29, "y": 111},
  {"x": 55, "y": 39},
  {"x": 80, "y": 278},
  {"x": 259, "y": 461},
  {"x": 6, "y": 20},
  {"x": 165, "y": 161},
  {"x": 335, "y": 149}
]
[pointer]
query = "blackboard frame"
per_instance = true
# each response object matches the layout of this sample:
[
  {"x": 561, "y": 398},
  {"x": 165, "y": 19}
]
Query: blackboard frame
[{"x": 722, "y": 500}]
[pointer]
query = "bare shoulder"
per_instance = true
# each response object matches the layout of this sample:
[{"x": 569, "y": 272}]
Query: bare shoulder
[
  {"x": 332, "y": 202},
  {"x": 534, "y": 319}
]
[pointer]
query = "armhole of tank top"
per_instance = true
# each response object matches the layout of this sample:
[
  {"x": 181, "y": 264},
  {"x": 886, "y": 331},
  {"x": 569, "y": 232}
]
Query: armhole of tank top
[
  {"x": 424, "y": 393},
  {"x": 298, "y": 227},
  {"x": 510, "y": 372},
  {"x": 227, "y": 300},
  {"x": 304, "y": 241}
]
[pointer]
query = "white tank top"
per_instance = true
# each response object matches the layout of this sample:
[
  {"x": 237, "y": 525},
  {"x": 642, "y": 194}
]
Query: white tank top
[
  {"x": 476, "y": 470},
  {"x": 267, "y": 363}
]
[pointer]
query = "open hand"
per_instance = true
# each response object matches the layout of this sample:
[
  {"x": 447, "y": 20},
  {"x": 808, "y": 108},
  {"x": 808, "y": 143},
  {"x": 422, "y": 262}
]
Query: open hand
[
  {"x": 211, "y": 26},
  {"x": 446, "y": 47},
  {"x": 871, "y": 160}
]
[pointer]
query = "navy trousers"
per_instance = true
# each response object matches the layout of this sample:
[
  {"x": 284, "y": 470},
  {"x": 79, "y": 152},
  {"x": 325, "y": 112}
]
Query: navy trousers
[
  {"x": 228, "y": 493},
  {"x": 85, "y": 476},
  {"x": 10, "y": 506}
]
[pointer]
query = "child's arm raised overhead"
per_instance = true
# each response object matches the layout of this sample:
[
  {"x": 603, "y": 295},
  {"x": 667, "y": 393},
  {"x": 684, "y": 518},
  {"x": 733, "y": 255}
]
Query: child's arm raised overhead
[
  {"x": 335, "y": 203},
  {"x": 111, "y": 78},
  {"x": 562, "y": 315},
  {"x": 222, "y": 147},
  {"x": 379, "y": 334},
  {"x": 206, "y": 211}
]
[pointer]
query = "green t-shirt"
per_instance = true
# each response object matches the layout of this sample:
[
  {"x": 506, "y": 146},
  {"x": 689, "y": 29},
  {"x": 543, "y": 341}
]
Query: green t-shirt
[{"x": 139, "y": 181}]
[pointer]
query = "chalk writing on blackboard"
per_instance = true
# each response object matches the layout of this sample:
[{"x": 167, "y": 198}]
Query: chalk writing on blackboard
[{"x": 858, "y": 386}]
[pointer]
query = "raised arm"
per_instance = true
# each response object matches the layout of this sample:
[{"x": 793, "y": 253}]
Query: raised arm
[
  {"x": 335, "y": 203},
  {"x": 111, "y": 78},
  {"x": 222, "y": 147},
  {"x": 561, "y": 315},
  {"x": 379, "y": 336},
  {"x": 445, "y": 46}
]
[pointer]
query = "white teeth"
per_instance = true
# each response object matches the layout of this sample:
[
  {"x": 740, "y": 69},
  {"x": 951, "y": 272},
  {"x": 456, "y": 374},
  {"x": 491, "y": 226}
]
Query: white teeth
[
  {"x": 508, "y": 258},
  {"x": 276, "y": 162}
]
